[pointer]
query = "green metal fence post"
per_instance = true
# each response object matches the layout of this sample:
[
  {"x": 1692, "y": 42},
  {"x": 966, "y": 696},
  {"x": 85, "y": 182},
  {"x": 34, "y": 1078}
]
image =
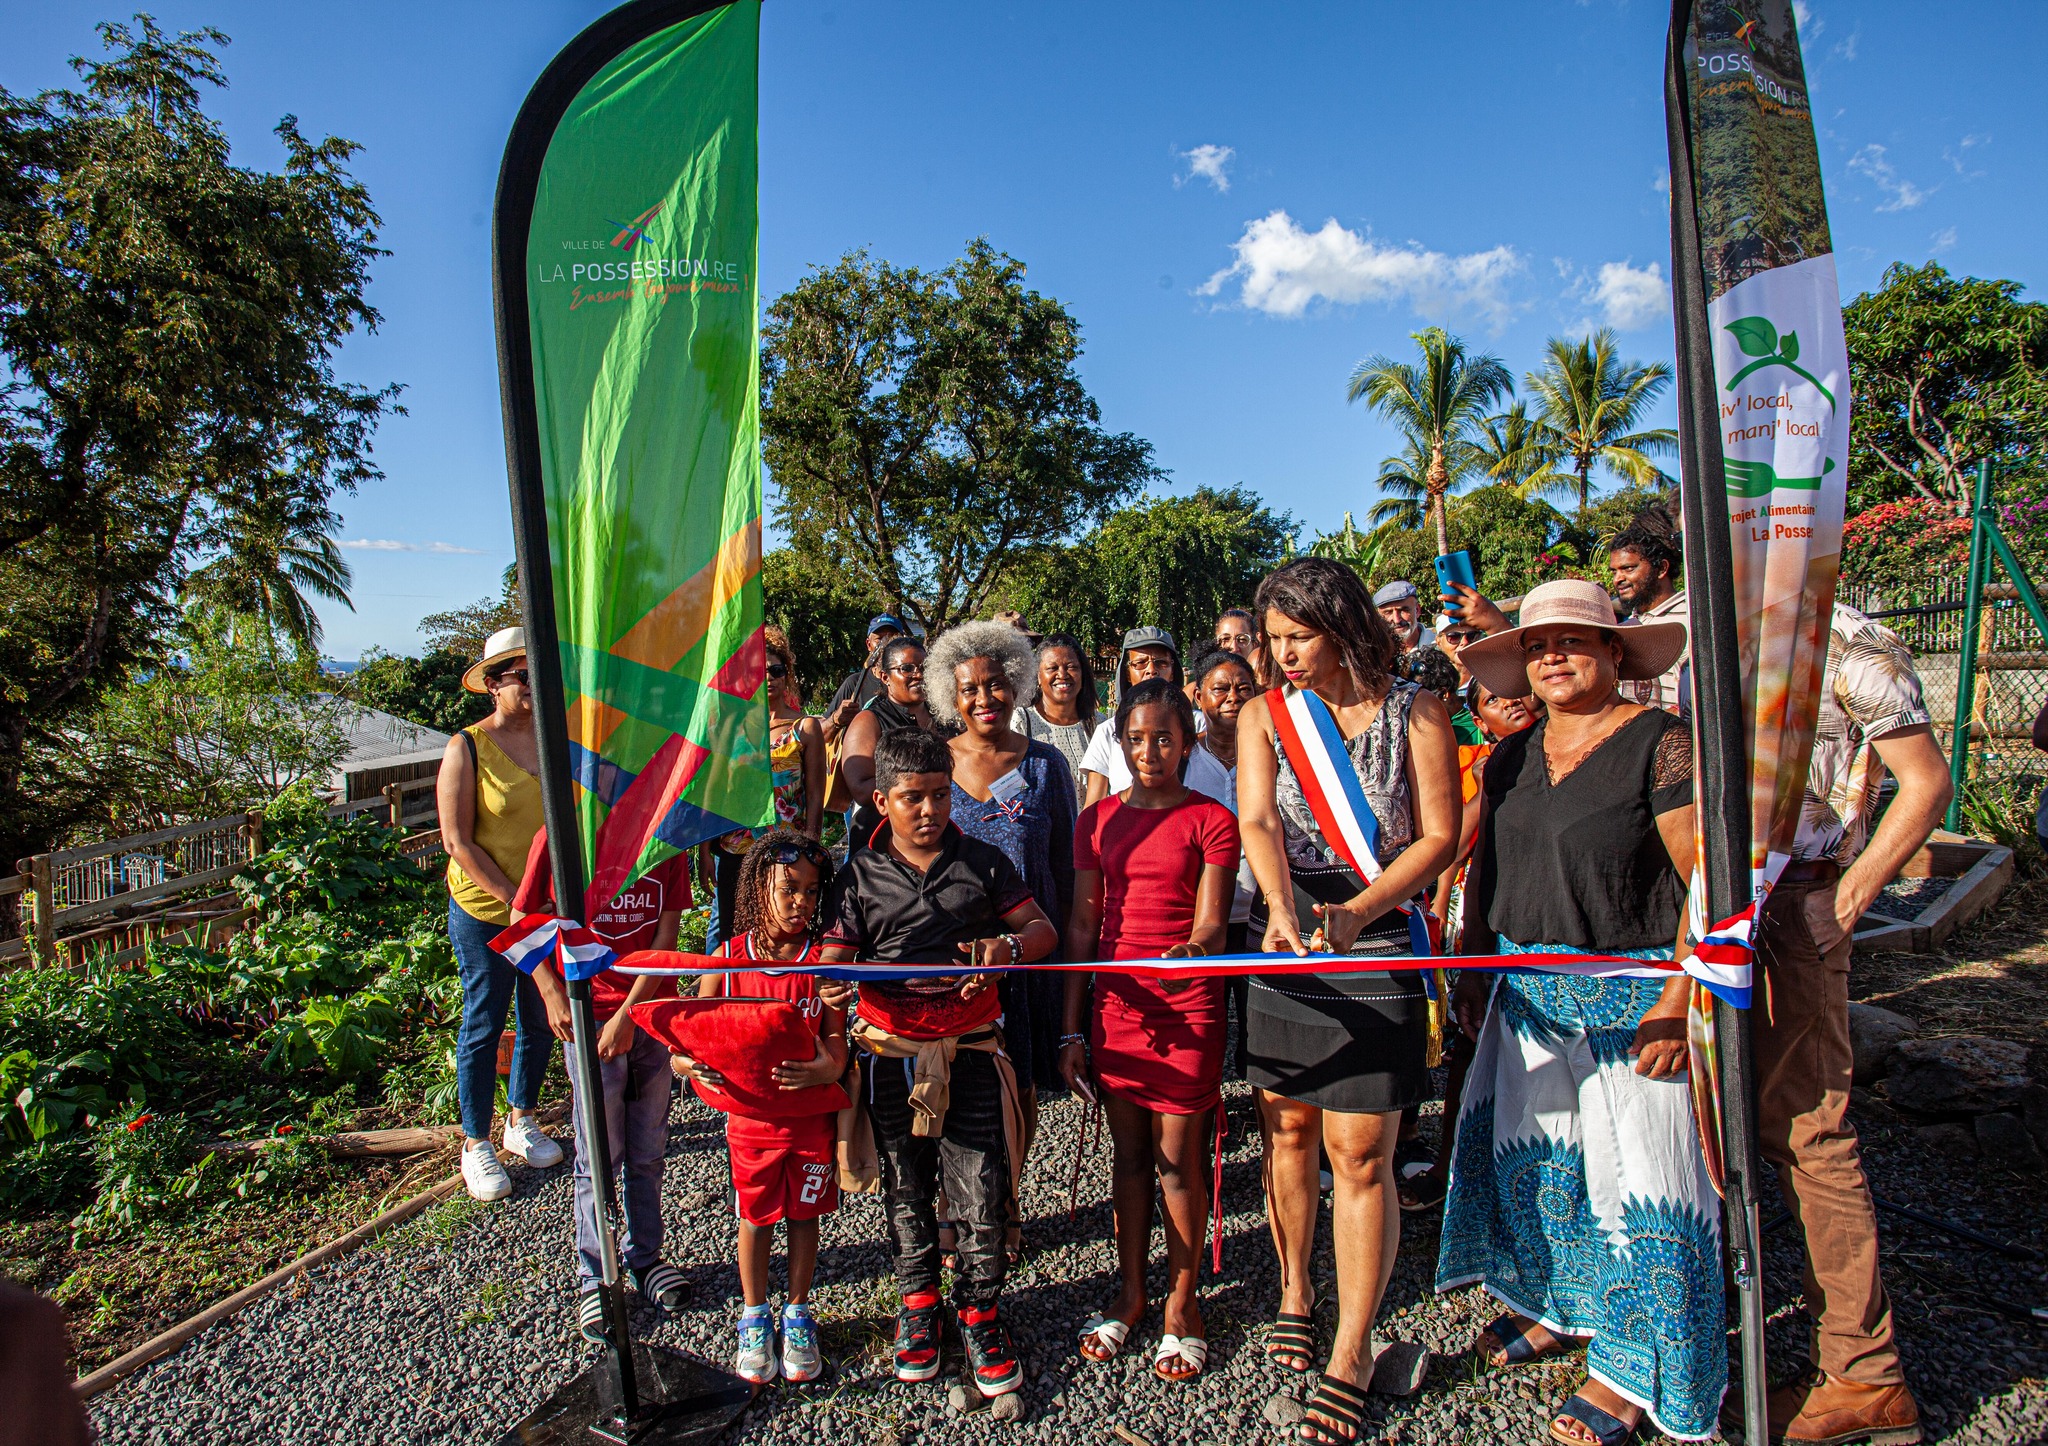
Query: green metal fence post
[{"x": 1966, "y": 662}]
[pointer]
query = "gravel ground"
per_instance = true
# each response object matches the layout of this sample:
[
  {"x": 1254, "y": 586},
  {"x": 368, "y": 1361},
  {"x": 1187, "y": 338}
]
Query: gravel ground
[
  {"x": 452, "y": 1329},
  {"x": 1905, "y": 898}
]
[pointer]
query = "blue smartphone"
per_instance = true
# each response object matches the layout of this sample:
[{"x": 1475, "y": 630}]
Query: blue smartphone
[{"x": 1455, "y": 567}]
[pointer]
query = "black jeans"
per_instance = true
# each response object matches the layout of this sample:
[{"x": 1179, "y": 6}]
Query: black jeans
[{"x": 975, "y": 1163}]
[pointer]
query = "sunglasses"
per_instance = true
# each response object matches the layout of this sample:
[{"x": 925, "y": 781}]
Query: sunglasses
[
  {"x": 787, "y": 854},
  {"x": 1461, "y": 638},
  {"x": 778, "y": 670},
  {"x": 511, "y": 675}
]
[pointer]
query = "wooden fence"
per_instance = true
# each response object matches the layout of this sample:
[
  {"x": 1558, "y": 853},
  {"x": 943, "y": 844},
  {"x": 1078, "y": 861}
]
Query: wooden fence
[{"x": 112, "y": 901}]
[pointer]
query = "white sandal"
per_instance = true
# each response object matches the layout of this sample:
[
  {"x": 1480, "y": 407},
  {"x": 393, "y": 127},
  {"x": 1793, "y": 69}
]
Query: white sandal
[
  {"x": 1191, "y": 1349},
  {"x": 1107, "y": 1329}
]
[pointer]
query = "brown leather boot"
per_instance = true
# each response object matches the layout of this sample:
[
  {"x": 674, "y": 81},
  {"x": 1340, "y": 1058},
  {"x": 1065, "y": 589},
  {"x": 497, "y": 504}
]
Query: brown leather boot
[{"x": 1825, "y": 1410}]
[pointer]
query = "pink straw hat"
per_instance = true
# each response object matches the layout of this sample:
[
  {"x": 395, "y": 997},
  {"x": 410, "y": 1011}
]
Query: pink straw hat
[{"x": 1648, "y": 650}]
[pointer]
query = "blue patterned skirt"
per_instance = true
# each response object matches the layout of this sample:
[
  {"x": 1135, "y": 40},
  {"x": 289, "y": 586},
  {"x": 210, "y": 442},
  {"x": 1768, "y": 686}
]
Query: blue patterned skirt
[{"x": 1578, "y": 1195}]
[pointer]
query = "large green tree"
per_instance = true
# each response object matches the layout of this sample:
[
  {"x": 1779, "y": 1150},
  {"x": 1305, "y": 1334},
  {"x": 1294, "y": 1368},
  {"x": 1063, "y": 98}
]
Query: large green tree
[
  {"x": 1590, "y": 409},
  {"x": 1436, "y": 404},
  {"x": 1948, "y": 371},
  {"x": 1175, "y": 562},
  {"x": 920, "y": 427},
  {"x": 168, "y": 322},
  {"x": 824, "y": 612}
]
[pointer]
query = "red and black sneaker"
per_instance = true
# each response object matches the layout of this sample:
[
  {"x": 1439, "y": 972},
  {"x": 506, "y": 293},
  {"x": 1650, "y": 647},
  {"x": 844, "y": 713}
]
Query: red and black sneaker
[
  {"x": 917, "y": 1337},
  {"x": 991, "y": 1361}
]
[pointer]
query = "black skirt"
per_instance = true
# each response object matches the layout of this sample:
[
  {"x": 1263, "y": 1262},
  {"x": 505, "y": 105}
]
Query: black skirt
[{"x": 1353, "y": 1043}]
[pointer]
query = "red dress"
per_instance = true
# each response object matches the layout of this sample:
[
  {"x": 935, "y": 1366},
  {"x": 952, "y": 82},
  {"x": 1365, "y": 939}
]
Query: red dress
[
  {"x": 1155, "y": 1045},
  {"x": 781, "y": 1169}
]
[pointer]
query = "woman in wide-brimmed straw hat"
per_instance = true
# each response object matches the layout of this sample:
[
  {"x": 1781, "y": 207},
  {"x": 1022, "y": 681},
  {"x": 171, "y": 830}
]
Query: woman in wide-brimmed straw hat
[
  {"x": 489, "y": 797},
  {"x": 1579, "y": 1197}
]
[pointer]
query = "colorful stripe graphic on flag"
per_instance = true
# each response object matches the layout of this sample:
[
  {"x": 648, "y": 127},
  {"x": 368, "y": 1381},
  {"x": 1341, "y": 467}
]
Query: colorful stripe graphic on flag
[{"x": 645, "y": 345}]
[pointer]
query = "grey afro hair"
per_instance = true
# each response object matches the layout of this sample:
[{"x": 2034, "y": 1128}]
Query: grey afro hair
[{"x": 998, "y": 641}]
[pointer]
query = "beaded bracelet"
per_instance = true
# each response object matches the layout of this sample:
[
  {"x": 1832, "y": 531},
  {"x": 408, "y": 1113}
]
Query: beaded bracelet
[{"x": 1067, "y": 1039}]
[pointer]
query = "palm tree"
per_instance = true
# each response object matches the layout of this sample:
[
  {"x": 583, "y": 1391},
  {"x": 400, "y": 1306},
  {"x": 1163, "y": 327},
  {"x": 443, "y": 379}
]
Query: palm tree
[
  {"x": 1403, "y": 482},
  {"x": 1590, "y": 402},
  {"x": 274, "y": 555},
  {"x": 1437, "y": 404},
  {"x": 1511, "y": 454}
]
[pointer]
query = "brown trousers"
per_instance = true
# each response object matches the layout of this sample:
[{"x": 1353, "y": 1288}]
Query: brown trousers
[{"x": 1803, "y": 1066}]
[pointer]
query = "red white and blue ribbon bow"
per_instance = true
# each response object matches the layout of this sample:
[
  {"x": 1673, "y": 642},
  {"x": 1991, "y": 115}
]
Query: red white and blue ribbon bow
[
  {"x": 1315, "y": 750},
  {"x": 577, "y": 952}
]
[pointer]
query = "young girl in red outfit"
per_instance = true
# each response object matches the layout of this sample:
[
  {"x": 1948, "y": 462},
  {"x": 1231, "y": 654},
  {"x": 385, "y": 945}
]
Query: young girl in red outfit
[
  {"x": 782, "y": 1170},
  {"x": 1154, "y": 869}
]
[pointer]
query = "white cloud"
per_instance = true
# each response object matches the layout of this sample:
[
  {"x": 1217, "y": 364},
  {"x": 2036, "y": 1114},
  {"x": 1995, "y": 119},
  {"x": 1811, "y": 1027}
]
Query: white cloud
[
  {"x": 386, "y": 544},
  {"x": 1629, "y": 297},
  {"x": 1283, "y": 269},
  {"x": 1870, "y": 163},
  {"x": 1958, "y": 155},
  {"x": 1846, "y": 49},
  {"x": 1809, "y": 27},
  {"x": 1943, "y": 240},
  {"x": 1207, "y": 163}
]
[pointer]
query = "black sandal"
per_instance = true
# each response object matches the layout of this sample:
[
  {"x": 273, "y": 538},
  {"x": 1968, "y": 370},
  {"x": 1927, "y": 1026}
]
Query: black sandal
[
  {"x": 1515, "y": 1344},
  {"x": 1344, "y": 1404},
  {"x": 1293, "y": 1336},
  {"x": 1607, "y": 1430}
]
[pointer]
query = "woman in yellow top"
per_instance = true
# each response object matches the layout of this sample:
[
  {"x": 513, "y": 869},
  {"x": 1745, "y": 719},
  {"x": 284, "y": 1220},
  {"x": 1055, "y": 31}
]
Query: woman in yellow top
[{"x": 489, "y": 796}]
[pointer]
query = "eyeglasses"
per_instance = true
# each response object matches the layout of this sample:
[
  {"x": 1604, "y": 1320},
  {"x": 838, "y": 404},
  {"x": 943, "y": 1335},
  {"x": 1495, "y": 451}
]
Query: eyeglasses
[
  {"x": 909, "y": 670},
  {"x": 778, "y": 670},
  {"x": 511, "y": 675}
]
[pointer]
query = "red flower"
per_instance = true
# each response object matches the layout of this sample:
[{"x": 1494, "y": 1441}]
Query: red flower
[
  {"x": 139, "y": 1121},
  {"x": 284, "y": 1129}
]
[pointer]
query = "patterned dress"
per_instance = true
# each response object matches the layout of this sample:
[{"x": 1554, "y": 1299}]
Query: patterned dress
[{"x": 1578, "y": 1196}]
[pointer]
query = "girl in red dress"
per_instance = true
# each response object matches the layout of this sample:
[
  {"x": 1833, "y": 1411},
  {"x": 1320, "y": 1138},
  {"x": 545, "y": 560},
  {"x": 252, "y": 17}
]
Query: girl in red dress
[
  {"x": 1154, "y": 867},
  {"x": 782, "y": 1170}
]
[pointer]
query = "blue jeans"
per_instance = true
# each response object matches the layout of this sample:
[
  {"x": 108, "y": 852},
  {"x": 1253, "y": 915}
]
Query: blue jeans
[
  {"x": 636, "y": 1098},
  {"x": 488, "y": 983}
]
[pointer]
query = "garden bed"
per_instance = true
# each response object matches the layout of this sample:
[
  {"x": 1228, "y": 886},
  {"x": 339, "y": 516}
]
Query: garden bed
[{"x": 1946, "y": 884}]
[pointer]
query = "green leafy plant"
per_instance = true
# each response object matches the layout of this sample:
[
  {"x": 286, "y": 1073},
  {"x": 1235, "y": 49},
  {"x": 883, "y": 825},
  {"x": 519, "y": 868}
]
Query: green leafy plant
[{"x": 145, "y": 1168}]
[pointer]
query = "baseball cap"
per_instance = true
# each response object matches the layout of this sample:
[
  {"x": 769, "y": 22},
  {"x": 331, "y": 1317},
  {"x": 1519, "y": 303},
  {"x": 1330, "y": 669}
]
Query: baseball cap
[
  {"x": 880, "y": 621},
  {"x": 1149, "y": 637},
  {"x": 1400, "y": 590}
]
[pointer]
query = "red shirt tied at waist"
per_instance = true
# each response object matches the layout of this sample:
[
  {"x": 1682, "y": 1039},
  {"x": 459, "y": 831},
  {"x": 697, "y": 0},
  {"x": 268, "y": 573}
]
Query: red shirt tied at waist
[{"x": 625, "y": 924}]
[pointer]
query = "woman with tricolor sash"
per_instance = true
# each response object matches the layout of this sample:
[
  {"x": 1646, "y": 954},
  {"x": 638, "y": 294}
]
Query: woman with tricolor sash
[
  {"x": 1579, "y": 1197},
  {"x": 1348, "y": 805}
]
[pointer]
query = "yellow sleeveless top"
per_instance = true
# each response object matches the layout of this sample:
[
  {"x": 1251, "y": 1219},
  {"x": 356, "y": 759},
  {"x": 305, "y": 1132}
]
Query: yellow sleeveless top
[{"x": 508, "y": 815}]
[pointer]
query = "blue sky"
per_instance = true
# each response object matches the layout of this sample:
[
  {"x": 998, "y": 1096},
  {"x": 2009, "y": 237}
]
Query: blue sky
[{"x": 1238, "y": 203}]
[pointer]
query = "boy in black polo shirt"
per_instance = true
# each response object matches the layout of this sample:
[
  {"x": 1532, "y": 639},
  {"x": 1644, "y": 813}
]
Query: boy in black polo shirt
[{"x": 922, "y": 892}]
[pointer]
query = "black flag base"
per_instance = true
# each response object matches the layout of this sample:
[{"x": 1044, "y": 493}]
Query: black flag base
[{"x": 683, "y": 1402}]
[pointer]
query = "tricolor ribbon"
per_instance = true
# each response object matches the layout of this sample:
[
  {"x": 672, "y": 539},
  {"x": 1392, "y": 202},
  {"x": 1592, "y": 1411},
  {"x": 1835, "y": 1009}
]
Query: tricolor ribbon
[{"x": 577, "y": 952}]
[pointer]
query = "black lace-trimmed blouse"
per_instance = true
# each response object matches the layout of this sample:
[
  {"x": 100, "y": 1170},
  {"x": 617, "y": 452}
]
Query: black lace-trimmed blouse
[{"x": 1580, "y": 862}]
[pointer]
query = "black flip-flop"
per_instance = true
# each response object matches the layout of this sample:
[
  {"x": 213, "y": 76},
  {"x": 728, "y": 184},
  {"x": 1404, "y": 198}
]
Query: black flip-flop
[
  {"x": 1606, "y": 1429},
  {"x": 1430, "y": 1191},
  {"x": 1292, "y": 1335},
  {"x": 1514, "y": 1342},
  {"x": 1343, "y": 1403}
]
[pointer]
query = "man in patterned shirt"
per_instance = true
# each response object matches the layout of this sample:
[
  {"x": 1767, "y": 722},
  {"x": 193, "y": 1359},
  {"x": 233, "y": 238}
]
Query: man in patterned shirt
[{"x": 1872, "y": 720}]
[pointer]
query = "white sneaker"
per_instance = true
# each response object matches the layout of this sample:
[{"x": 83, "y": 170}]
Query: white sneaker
[
  {"x": 482, "y": 1173},
  {"x": 524, "y": 1139}
]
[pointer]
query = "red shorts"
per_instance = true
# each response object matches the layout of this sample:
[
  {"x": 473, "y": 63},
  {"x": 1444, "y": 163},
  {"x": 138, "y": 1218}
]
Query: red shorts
[{"x": 785, "y": 1170}]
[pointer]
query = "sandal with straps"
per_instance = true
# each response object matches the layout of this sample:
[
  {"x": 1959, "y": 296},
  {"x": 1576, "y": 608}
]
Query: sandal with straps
[
  {"x": 1292, "y": 1337},
  {"x": 1107, "y": 1329},
  {"x": 1607, "y": 1430},
  {"x": 1516, "y": 1348},
  {"x": 1191, "y": 1353},
  {"x": 1344, "y": 1405}
]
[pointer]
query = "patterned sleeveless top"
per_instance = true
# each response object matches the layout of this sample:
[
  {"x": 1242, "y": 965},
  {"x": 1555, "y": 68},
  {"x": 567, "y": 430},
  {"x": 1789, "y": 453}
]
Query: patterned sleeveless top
[{"x": 1379, "y": 755}]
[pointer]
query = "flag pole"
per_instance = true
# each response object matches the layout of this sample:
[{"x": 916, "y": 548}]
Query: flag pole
[
  {"x": 1718, "y": 712},
  {"x": 634, "y": 1408}
]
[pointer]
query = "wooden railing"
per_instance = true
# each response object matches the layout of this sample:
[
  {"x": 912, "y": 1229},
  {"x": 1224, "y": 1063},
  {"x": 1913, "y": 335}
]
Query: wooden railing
[{"x": 111, "y": 901}]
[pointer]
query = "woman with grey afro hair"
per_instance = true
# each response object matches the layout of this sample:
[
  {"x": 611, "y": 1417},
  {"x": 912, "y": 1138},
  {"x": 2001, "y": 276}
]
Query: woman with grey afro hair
[
  {"x": 1001, "y": 644},
  {"x": 1017, "y": 794}
]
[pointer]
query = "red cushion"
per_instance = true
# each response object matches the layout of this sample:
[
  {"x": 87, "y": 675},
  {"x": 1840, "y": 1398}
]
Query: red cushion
[{"x": 743, "y": 1039}]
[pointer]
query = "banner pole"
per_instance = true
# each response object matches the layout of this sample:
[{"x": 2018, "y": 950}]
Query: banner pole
[
  {"x": 1718, "y": 711},
  {"x": 1966, "y": 657}
]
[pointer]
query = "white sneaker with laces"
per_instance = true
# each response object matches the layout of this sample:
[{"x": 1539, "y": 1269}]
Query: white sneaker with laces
[
  {"x": 524, "y": 1139},
  {"x": 482, "y": 1173}
]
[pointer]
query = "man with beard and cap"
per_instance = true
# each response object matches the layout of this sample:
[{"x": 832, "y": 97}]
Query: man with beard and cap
[
  {"x": 1148, "y": 652},
  {"x": 1400, "y": 605},
  {"x": 1645, "y": 558}
]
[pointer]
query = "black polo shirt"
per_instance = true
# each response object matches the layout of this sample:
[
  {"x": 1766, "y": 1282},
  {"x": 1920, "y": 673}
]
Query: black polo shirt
[{"x": 886, "y": 911}]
